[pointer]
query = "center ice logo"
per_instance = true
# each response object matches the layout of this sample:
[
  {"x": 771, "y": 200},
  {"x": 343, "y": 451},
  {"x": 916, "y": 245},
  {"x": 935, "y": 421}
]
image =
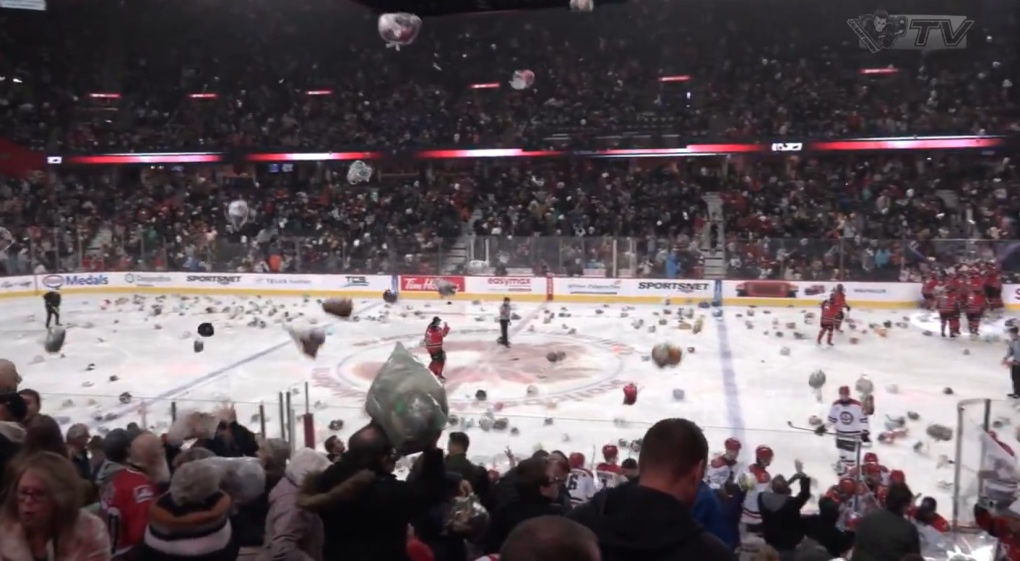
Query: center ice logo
[{"x": 590, "y": 369}]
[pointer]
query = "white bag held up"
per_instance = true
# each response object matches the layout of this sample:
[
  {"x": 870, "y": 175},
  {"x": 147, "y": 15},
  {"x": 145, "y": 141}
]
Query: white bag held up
[
  {"x": 399, "y": 29},
  {"x": 582, "y": 5},
  {"x": 237, "y": 213},
  {"x": 408, "y": 402},
  {"x": 241, "y": 478},
  {"x": 522, "y": 80}
]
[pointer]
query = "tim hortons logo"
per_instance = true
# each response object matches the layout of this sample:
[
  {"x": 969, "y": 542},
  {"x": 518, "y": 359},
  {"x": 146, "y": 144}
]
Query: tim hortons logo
[{"x": 425, "y": 284}]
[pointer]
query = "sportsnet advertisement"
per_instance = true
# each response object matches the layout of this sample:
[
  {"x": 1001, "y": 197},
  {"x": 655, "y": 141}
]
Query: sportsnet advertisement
[
  {"x": 221, "y": 280},
  {"x": 675, "y": 289}
]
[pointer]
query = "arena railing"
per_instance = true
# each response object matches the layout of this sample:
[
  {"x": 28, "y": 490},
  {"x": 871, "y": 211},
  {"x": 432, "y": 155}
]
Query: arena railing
[{"x": 681, "y": 256}]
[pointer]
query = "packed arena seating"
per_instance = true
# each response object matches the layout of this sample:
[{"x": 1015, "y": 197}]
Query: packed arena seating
[
  {"x": 311, "y": 75},
  {"x": 248, "y": 76}
]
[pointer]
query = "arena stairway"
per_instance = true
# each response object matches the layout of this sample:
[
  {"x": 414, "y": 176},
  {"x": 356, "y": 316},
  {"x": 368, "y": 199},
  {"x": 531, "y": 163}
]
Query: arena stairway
[{"x": 714, "y": 254}]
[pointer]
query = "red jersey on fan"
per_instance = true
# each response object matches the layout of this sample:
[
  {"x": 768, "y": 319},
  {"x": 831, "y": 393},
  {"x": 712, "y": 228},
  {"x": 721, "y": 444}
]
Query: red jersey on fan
[
  {"x": 124, "y": 506},
  {"x": 434, "y": 336},
  {"x": 947, "y": 303},
  {"x": 975, "y": 303}
]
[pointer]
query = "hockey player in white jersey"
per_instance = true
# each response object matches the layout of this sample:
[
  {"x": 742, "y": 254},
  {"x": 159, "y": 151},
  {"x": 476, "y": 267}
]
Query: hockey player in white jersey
[
  {"x": 580, "y": 483},
  {"x": 754, "y": 481},
  {"x": 848, "y": 420},
  {"x": 723, "y": 468}
]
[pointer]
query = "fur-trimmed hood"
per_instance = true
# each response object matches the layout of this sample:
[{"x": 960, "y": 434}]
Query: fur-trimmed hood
[
  {"x": 89, "y": 540},
  {"x": 172, "y": 519},
  {"x": 12, "y": 431}
]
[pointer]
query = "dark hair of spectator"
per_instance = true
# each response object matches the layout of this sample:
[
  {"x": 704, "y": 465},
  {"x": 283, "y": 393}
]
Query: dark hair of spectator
[
  {"x": 549, "y": 538},
  {"x": 367, "y": 448},
  {"x": 629, "y": 463},
  {"x": 673, "y": 445},
  {"x": 899, "y": 498},
  {"x": 43, "y": 435},
  {"x": 532, "y": 475},
  {"x": 27, "y": 392},
  {"x": 460, "y": 439}
]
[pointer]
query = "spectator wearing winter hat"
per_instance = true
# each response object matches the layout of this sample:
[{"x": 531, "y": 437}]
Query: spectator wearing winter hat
[
  {"x": 886, "y": 534},
  {"x": 42, "y": 516},
  {"x": 250, "y": 520},
  {"x": 291, "y": 533},
  {"x": 192, "y": 520}
]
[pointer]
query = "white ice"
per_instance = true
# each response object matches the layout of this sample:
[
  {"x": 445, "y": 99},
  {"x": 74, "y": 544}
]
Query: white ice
[{"x": 736, "y": 381}]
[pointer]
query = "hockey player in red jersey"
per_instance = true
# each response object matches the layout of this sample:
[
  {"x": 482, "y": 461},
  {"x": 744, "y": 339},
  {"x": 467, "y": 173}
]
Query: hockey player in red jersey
[
  {"x": 993, "y": 288},
  {"x": 608, "y": 472},
  {"x": 949, "y": 311},
  {"x": 827, "y": 322},
  {"x": 928, "y": 290},
  {"x": 839, "y": 301},
  {"x": 974, "y": 306},
  {"x": 434, "y": 337}
]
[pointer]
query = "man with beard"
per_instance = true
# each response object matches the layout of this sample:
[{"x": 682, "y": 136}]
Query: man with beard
[{"x": 128, "y": 494}]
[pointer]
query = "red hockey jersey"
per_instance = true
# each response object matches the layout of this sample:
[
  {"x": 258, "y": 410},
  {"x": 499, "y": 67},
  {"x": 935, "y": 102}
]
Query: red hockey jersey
[
  {"x": 124, "y": 506},
  {"x": 947, "y": 303},
  {"x": 434, "y": 337},
  {"x": 975, "y": 303}
]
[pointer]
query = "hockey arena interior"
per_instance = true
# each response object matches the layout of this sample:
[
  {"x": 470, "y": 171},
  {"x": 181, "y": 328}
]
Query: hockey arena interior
[{"x": 755, "y": 372}]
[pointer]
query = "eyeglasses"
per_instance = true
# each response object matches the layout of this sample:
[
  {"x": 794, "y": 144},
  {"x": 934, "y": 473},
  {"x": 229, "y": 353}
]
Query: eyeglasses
[{"x": 32, "y": 495}]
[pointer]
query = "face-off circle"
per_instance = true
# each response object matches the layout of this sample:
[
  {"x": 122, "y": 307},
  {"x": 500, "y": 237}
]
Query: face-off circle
[{"x": 474, "y": 361}]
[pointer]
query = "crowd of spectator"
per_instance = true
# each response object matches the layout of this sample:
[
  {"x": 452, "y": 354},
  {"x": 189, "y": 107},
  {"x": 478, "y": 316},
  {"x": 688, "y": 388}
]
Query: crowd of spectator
[
  {"x": 825, "y": 217},
  {"x": 132, "y": 494},
  {"x": 755, "y": 70}
]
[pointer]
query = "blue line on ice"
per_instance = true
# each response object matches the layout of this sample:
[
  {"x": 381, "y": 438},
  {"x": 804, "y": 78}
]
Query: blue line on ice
[
  {"x": 219, "y": 372},
  {"x": 734, "y": 412}
]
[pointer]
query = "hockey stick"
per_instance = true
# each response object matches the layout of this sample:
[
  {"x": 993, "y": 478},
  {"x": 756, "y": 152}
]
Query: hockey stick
[{"x": 807, "y": 429}]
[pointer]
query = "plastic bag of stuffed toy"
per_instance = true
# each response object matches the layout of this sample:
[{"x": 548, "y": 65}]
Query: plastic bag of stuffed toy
[
  {"x": 241, "y": 478},
  {"x": 408, "y": 402}
]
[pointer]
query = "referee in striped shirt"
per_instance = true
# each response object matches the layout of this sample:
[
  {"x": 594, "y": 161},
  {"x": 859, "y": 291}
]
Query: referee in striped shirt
[
  {"x": 504, "y": 323},
  {"x": 1012, "y": 359}
]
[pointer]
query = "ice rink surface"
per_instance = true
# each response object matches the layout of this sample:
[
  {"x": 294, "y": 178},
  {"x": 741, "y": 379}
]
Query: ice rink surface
[{"x": 736, "y": 381}]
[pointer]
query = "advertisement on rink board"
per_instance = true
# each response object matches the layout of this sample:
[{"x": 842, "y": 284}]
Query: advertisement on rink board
[
  {"x": 674, "y": 288},
  {"x": 75, "y": 281},
  {"x": 222, "y": 280},
  {"x": 427, "y": 283},
  {"x": 508, "y": 284},
  {"x": 582, "y": 286},
  {"x": 147, "y": 280}
]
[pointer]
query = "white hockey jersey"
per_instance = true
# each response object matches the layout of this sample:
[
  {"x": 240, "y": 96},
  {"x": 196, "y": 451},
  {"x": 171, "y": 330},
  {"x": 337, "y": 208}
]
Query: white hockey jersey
[
  {"x": 607, "y": 478},
  {"x": 721, "y": 470},
  {"x": 581, "y": 486},
  {"x": 755, "y": 480},
  {"x": 848, "y": 419}
]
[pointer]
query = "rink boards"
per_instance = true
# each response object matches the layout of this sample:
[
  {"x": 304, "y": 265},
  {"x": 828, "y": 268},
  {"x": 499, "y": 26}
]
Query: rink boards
[{"x": 793, "y": 294}]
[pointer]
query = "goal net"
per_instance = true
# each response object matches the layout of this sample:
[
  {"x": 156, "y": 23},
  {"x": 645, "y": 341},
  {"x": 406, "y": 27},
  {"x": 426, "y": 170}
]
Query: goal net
[{"x": 984, "y": 472}]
